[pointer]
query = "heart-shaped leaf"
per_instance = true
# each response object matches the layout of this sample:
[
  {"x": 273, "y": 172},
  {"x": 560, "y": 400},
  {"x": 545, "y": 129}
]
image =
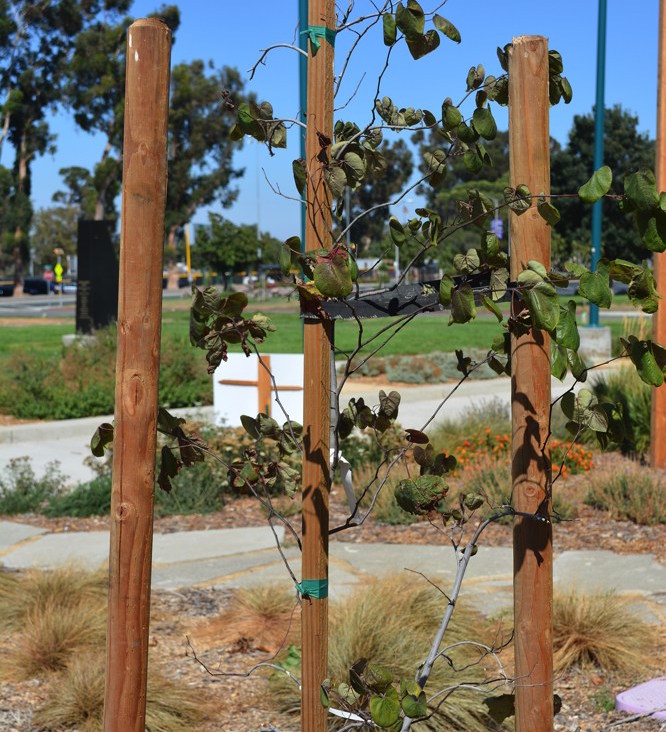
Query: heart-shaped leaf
[{"x": 598, "y": 185}]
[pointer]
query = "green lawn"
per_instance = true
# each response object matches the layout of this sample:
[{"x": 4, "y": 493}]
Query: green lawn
[{"x": 423, "y": 335}]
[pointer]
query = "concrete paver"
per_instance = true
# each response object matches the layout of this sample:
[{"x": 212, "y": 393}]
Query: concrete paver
[{"x": 12, "y": 533}]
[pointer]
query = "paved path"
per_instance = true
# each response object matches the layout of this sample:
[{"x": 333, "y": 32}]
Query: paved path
[
  {"x": 68, "y": 442},
  {"x": 244, "y": 557}
]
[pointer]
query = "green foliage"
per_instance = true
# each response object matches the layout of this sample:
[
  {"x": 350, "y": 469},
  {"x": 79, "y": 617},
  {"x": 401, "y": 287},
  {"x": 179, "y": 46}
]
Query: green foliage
[
  {"x": 21, "y": 491},
  {"x": 80, "y": 381},
  {"x": 625, "y": 388},
  {"x": 625, "y": 150},
  {"x": 635, "y": 494},
  {"x": 87, "y": 499}
]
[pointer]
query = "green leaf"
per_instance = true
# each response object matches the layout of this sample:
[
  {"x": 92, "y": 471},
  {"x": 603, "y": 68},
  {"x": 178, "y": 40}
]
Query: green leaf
[
  {"x": 300, "y": 175},
  {"x": 415, "y": 706},
  {"x": 446, "y": 27},
  {"x": 643, "y": 291},
  {"x": 102, "y": 438},
  {"x": 355, "y": 164},
  {"x": 446, "y": 286},
  {"x": 467, "y": 133},
  {"x": 420, "y": 495},
  {"x": 649, "y": 359},
  {"x": 576, "y": 365},
  {"x": 595, "y": 287},
  {"x": 537, "y": 267},
  {"x": 389, "y": 404},
  {"x": 493, "y": 307},
  {"x": 498, "y": 283},
  {"x": 410, "y": 20},
  {"x": 472, "y": 161},
  {"x": 397, "y": 232},
  {"x": 547, "y": 211},
  {"x": 468, "y": 262},
  {"x": 598, "y": 185},
  {"x": 451, "y": 116},
  {"x": 337, "y": 180},
  {"x": 462, "y": 305},
  {"x": 385, "y": 710},
  {"x": 641, "y": 190},
  {"x": 332, "y": 276},
  {"x": 423, "y": 45},
  {"x": 251, "y": 426},
  {"x": 558, "y": 361},
  {"x": 566, "y": 332},
  {"x": 652, "y": 228},
  {"x": 543, "y": 303},
  {"x": 565, "y": 88},
  {"x": 390, "y": 30},
  {"x": 484, "y": 123},
  {"x": 501, "y": 707},
  {"x": 379, "y": 679},
  {"x": 518, "y": 199}
]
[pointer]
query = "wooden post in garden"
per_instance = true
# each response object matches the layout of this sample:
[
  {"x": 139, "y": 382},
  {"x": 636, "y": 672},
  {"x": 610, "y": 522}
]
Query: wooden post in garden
[
  {"x": 658, "y": 420},
  {"x": 317, "y": 339},
  {"x": 137, "y": 371},
  {"x": 530, "y": 395}
]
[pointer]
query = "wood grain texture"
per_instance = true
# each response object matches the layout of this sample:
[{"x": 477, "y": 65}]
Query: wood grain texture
[
  {"x": 137, "y": 373},
  {"x": 530, "y": 396},
  {"x": 658, "y": 416},
  {"x": 317, "y": 383}
]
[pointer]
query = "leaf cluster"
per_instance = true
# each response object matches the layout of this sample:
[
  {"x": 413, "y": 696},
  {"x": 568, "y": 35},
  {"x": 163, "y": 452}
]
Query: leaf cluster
[{"x": 216, "y": 321}]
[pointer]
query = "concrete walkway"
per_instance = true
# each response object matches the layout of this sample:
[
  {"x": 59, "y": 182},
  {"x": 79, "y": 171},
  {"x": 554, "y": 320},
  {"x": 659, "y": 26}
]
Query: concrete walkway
[{"x": 243, "y": 557}]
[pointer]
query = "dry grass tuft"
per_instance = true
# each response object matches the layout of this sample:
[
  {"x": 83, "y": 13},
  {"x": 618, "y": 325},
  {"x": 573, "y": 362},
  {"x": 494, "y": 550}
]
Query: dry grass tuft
[
  {"x": 37, "y": 591},
  {"x": 392, "y": 622},
  {"x": 76, "y": 700},
  {"x": 265, "y": 618},
  {"x": 53, "y": 634},
  {"x": 599, "y": 631}
]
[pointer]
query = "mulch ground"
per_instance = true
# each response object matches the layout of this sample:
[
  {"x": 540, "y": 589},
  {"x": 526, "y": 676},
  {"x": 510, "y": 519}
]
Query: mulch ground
[{"x": 243, "y": 705}]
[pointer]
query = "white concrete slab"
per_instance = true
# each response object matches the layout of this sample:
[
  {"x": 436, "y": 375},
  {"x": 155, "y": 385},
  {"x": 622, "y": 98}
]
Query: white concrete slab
[{"x": 12, "y": 533}]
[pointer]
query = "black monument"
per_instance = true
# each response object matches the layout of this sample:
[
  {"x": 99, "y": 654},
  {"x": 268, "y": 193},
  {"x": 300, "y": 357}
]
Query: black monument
[{"x": 97, "y": 284}]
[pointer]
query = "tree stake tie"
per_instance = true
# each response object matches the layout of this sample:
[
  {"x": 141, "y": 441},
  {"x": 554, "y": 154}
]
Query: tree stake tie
[
  {"x": 315, "y": 589},
  {"x": 315, "y": 32}
]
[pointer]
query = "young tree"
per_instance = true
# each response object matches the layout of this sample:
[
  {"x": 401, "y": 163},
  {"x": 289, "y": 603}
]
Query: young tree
[
  {"x": 625, "y": 150},
  {"x": 53, "y": 227}
]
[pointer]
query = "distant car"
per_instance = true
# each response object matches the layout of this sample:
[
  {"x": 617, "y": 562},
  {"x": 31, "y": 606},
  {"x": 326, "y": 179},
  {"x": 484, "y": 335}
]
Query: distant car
[
  {"x": 6, "y": 286},
  {"x": 69, "y": 288},
  {"x": 35, "y": 286}
]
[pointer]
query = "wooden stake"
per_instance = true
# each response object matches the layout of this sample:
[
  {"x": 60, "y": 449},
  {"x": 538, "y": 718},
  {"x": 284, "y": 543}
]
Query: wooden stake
[
  {"x": 658, "y": 417},
  {"x": 137, "y": 372},
  {"x": 530, "y": 396},
  {"x": 317, "y": 382}
]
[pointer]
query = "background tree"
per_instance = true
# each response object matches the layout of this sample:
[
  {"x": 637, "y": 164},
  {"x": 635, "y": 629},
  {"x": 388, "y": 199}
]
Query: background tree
[
  {"x": 36, "y": 42},
  {"x": 490, "y": 180},
  {"x": 625, "y": 150},
  {"x": 227, "y": 248},
  {"x": 53, "y": 227},
  {"x": 373, "y": 226}
]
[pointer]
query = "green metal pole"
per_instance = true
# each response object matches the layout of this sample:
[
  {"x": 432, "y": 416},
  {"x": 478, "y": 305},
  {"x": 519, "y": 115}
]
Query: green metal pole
[
  {"x": 598, "y": 146},
  {"x": 303, "y": 86}
]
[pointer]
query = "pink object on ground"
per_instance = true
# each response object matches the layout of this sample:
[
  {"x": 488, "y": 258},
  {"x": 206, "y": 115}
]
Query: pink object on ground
[{"x": 647, "y": 698}]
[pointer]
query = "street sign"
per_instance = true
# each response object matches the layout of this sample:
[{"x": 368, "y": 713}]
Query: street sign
[{"x": 58, "y": 272}]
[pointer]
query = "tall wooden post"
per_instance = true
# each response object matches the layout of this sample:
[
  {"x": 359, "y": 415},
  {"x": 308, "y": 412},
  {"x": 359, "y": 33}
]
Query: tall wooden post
[
  {"x": 317, "y": 338},
  {"x": 137, "y": 371},
  {"x": 658, "y": 420},
  {"x": 530, "y": 396}
]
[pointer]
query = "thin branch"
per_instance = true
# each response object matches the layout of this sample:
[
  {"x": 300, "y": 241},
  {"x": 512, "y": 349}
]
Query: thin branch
[{"x": 266, "y": 51}]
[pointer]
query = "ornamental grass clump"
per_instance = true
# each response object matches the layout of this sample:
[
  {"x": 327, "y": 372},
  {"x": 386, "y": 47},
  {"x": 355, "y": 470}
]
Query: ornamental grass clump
[
  {"x": 391, "y": 623},
  {"x": 599, "y": 631},
  {"x": 76, "y": 700}
]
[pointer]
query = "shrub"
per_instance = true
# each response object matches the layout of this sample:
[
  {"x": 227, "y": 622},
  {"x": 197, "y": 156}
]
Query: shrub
[
  {"x": 87, "y": 499},
  {"x": 599, "y": 631},
  {"x": 625, "y": 387},
  {"x": 21, "y": 491},
  {"x": 80, "y": 382},
  {"x": 472, "y": 424},
  {"x": 633, "y": 493},
  {"x": 391, "y": 622}
]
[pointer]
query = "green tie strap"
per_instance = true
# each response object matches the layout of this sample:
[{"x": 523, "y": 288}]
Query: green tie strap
[
  {"x": 315, "y": 589},
  {"x": 315, "y": 32}
]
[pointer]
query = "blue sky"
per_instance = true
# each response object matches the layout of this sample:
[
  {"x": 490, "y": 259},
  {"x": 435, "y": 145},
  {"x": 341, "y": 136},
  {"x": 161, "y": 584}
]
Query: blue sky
[{"x": 231, "y": 33}]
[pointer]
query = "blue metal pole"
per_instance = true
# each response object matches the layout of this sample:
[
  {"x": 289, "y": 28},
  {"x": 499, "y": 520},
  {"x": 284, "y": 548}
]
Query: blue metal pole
[
  {"x": 303, "y": 86},
  {"x": 598, "y": 146}
]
